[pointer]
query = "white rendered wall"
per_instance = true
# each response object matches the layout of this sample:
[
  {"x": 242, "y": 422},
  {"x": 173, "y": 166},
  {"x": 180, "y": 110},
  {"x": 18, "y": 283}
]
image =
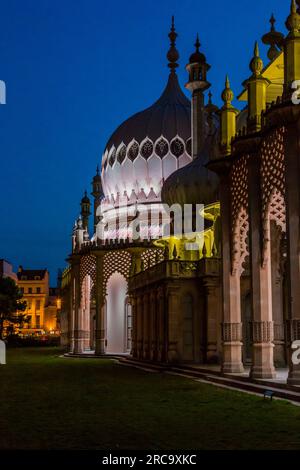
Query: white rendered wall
[{"x": 115, "y": 314}]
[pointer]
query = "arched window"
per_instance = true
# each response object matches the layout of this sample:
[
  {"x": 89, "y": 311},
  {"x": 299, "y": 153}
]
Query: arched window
[
  {"x": 121, "y": 154},
  {"x": 133, "y": 151},
  {"x": 177, "y": 147},
  {"x": 147, "y": 149},
  {"x": 161, "y": 147}
]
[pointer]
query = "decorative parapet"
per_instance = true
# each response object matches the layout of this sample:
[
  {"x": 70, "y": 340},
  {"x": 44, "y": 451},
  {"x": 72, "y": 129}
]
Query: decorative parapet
[
  {"x": 175, "y": 269},
  {"x": 172, "y": 269},
  {"x": 114, "y": 244}
]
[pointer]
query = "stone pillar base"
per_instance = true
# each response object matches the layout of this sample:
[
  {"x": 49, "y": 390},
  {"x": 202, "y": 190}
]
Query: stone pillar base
[
  {"x": 262, "y": 372},
  {"x": 232, "y": 358},
  {"x": 263, "y": 362},
  {"x": 279, "y": 355},
  {"x": 172, "y": 357},
  {"x": 100, "y": 347},
  {"x": 294, "y": 375},
  {"x": 232, "y": 368},
  {"x": 78, "y": 346},
  {"x": 71, "y": 346}
]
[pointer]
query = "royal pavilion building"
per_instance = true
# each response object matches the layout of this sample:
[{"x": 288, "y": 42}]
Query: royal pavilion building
[{"x": 226, "y": 293}]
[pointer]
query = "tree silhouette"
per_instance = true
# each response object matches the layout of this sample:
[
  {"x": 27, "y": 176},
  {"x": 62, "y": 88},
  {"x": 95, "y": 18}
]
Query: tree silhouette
[{"x": 11, "y": 304}]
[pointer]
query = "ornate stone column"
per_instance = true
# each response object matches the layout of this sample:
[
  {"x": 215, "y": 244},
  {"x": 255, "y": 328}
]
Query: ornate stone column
[
  {"x": 71, "y": 312},
  {"x": 86, "y": 312},
  {"x": 261, "y": 283},
  {"x": 160, "y": 325},
  {"x": 100, "y": 301},
  {"x": 172, "y": 320},
  {"x": 277, "y": 296},
  {"x": 146, "y": 327},
  {"x": 292, "y": 161},
  {"x": 134, "y": 326},
  {"x": 140, "y": 321},
  {"x": 78, "y": 317},
  {"x": 153, "y": 326},
  {"x": 231, "y": 325},
  {"x": 212, "y": 318},
  {"x": 92, "y": 325}
]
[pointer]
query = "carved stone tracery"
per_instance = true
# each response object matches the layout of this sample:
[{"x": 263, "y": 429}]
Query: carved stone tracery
[
  {"x": 272, "y": 185},
  {"x": 240, "y": 217}
]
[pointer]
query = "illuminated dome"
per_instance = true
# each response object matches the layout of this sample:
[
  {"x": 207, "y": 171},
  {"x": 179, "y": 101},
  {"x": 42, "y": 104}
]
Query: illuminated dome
[
  {"x": 149, "y": 146},
  {"x": 194, "y": 184}
]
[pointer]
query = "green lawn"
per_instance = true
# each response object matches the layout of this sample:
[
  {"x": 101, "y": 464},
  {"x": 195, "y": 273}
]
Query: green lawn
[{"x": 49, "y": 402}]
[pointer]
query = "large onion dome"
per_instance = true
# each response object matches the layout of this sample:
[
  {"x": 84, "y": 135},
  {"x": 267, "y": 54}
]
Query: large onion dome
[
  {"x": 150, "y": 145},
  {"x": 194, "y": 184}
]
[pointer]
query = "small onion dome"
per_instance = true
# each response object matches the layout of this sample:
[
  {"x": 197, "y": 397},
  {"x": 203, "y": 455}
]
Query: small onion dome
[
  {"x": 274, "y": 39},
  {"x": 97, "y": 191},
  {"x": 256, "y": 65},
  {"x": 97, "y": 177},
  {"x": 194, "y": 183},
  {"x": 293, "y": 20},
  {"x": 85, "y": 199},
  {"x": 197, "y": 57}
]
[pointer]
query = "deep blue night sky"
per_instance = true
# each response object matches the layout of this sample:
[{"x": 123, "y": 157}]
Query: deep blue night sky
[{"x": 74, "y": 70}]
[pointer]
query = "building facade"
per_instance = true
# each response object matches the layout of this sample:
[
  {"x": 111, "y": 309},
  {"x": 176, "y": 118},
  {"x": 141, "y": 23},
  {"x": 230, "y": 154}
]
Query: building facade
[
  {"x": 227, "y": 292},
  {"x": 43, "y": 303}
]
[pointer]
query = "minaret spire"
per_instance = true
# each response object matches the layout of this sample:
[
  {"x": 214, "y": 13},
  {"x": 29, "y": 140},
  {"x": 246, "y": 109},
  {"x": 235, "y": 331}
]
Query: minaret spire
[
  {"x": 257, "y": 92},
  {"x": 197, "y": 43},
  {"x": 291, "y": 47},
  {"x": 173, "y": 54},
  {"x": 85, "y": 205},
  {"x": 197, "y": 69},
  {"x": 228, "y": 119},
  {"x": 97, "y": 193},
  {"x": 256, "y": 64},
  {"x": 293, "y": 21}
]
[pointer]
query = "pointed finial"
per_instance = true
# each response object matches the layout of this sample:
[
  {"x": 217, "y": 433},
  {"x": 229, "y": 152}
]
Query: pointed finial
[
  {"x": 272, "y": 21},
  {"x": 197, "y": 43},
  {"x": 85, "y": 193},
  {"x": 227, "y": 95},
  {"x": 210, "y": 98},
  {"x": 97, "y": 170},
  {"x": 256, "y": 64},
  {"x": 293, "y": 20},
  {"x": 172, "y": 54}
]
